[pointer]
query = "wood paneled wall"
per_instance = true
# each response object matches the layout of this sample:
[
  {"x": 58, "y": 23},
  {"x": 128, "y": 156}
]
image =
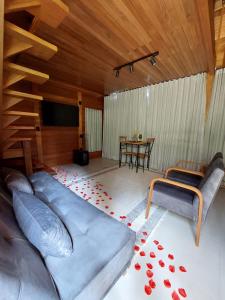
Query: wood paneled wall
[{"x": 59, "y": 142}]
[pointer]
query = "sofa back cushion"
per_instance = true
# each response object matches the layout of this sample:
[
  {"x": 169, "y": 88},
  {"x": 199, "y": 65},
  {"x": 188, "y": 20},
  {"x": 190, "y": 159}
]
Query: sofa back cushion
[
  {"x": 209, "y": 190},
  {"x": 23, "y": 274},
  {"x": 41, "y": 225},
  {"x": 16, "y": 180}
]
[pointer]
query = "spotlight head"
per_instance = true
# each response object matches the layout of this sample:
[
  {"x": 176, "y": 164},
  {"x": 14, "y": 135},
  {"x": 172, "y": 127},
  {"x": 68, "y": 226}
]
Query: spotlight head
[
  {"x": 117, "y": 72},
  {"x": 152, "y": 60},
  {"x": 131, "y": 68}
]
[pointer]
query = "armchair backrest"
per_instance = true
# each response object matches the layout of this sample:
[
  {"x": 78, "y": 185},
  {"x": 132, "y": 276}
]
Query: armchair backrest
[{"x": 210, "y": 185}]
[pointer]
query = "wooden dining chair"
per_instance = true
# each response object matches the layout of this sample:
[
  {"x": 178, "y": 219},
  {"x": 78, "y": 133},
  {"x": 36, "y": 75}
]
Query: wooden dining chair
[
  {"x": 123, "y": 149},
  {"x": 146, "y": 154}
]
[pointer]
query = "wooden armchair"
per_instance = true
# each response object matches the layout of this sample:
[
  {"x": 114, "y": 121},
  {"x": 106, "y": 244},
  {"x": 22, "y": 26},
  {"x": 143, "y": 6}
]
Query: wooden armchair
[{"x": 192, "y": 202}]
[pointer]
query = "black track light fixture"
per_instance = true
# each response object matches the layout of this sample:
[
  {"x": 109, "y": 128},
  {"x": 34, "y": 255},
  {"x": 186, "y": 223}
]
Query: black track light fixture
[
  {"x": 131, "y": 68},
  {"x": 151, "y": 57},
  {"x": 152, "y": 60},
  {"x": 117, "y": 72}
]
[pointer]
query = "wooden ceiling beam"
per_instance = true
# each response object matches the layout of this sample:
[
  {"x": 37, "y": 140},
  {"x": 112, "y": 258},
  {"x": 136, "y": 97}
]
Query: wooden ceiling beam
[
  {"x": 75, "y": 88},
  {"x": 206, "y": 16}
]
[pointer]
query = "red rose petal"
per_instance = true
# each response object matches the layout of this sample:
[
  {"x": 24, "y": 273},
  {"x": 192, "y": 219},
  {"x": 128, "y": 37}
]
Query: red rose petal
[
  {"x": 136, "y": 248},
  {"x": 182, "y": 269},
  {"x": 170, "y": 256},
  {"x": 143, "y": 241},
  {"x": 182, "y": 292},
  {"x": 175, "y": 296},
  {"x": 106, "y": 206},
  {"x": 129, "y": 224},
  {"x": 152, "y": 255},
  {"x": 149, "y": 266},
  {"x": 172, "y": 268},
  {"x": 148, "y": 290},
  {"x": 152, "y": 283},
  {"x": 149, "y": 273},
  {"x": 155, "y": 242},
  {"x": 145, "y": 233},
  {"x": 167, "y": 283},
  {"x": 161, "y": 263},
  {"x": 142, "y": 253},
  {"x": 160, "y": 247},
  {"x": 137, "y": 267},
  {"x": 111, "y": 213}
]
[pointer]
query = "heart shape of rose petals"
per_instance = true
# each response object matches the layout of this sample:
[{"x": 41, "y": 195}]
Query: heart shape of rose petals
[
  {"x": 182, "y": 269},
  {"x": 149, "y": 266},
  {"x": 160, "y": 247},
  {"x": 167, "y": 283},
  {"x": 136, "y": 248},
  {"x": 182, "y": 292},
  {"x": 152, "y": 255},
  {"x": 170, "y": 256},
  {"x": 148, "y": 290},
  {"x": 175, "y": 296},
  {"x": 172, "y": 268},
  {"x": 152, "y": 283},
  {"x": 137, "y": 266},
  {"x": 161, "y": 263},
  {"x": 149, "y": 273}
]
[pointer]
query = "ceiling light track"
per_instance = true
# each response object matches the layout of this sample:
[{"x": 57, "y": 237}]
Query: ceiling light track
[{"x": 130, "y": 65}]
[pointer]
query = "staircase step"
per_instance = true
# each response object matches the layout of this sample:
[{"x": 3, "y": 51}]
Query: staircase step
[
  {"x": 20, "y": 127},
  {"x": 36, "y": 46},
  {"x": 20, "y": 72},
  {"x": 18, "y": 94},
  {"x": 20, "y": 113},
  {"x": 12, "y": 153},
  {"x": 18, "y": 5},
  {"x": 11, "y": 141}
]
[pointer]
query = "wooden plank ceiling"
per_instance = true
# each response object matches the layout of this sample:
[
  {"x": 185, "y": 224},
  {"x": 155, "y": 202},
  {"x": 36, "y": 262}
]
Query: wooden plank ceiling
[
  {"x": 220, "y": 33},
  {"x": 100, "y": 35}
]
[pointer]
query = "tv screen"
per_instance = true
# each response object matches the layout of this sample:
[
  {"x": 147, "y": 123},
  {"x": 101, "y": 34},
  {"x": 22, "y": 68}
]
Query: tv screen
[{"x": 58, "y": 114}]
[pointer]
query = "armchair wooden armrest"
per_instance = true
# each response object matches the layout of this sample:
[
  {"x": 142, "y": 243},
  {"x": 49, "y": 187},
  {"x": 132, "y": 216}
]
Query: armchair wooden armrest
[
  {"x": 183, "y": 170},
  {"x": 183, "y": 186}
]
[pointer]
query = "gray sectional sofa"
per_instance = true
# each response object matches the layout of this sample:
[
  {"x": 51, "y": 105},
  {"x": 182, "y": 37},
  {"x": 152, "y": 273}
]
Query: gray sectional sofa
[{"x": 102, "y": 249}]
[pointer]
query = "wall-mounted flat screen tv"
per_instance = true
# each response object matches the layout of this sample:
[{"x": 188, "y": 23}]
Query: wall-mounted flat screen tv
[{"x": 58, "y": 114}]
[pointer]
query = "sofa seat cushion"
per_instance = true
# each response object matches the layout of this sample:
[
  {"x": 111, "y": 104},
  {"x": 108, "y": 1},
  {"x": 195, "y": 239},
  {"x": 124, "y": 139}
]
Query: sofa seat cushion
[
  {"x": 189, "y": 179},
  {"x": 174, "y": 199},
  {"x": 100, "y": 244}
]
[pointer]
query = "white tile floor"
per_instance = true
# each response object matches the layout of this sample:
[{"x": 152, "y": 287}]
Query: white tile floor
[{"x": 205, "y": 265}]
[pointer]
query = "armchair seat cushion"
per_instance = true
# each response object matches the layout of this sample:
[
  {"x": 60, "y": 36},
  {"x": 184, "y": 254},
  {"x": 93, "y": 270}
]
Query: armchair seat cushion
[
  {"x": 174, "y": 199},
  {"x": 190, "y": 179}
]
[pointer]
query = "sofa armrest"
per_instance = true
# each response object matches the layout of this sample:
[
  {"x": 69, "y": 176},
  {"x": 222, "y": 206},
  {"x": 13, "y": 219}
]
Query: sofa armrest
[
  {"x": 182, "y": 170},
  {"x": 183, "y": 186}
]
